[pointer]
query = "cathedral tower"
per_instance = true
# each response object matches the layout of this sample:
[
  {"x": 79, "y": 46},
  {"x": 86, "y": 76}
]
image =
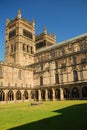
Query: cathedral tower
[{"x": 19, "y": 41}]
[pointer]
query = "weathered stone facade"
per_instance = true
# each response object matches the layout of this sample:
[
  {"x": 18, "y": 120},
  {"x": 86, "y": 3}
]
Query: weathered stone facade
[{"x": 36, "y": 68}]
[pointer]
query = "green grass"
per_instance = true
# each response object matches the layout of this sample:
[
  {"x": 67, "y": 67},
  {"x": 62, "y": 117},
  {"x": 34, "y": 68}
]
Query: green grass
[{"x": 53, "y": 115}]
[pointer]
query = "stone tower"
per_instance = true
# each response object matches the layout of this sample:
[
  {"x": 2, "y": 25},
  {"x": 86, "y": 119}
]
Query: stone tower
[
  {"x": 19, "y": 41},
  {"x": 44, "y": 40}
]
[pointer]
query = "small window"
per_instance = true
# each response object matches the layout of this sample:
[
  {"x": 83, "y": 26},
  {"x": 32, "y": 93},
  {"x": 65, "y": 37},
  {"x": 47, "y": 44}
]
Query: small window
[
  {"x": 73, "y": 60},
  {"x": 75, "y": 75},
  {"x": 41, "y": 80},
  {"x": 1, "y": 74},
  {"x": 41, "y": 67},
  {"x": 82, "y": 47},
  {"x": 56, "y": 64},
  {"x": 31, "y": 50},
  {"x": 63, "y": 52},
  {"x": 83, "y": 60},
  {"x": 56, "y": 78},
  {"x": 19, "y": 74}
]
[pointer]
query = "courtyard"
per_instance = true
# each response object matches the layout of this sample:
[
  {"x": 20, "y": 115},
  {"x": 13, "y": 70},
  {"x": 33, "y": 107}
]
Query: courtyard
[{"x": 49, "y": 115}]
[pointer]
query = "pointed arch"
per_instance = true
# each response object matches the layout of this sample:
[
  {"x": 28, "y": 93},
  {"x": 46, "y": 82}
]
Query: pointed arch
[
  {"x": 84, "y": 92},
  {"x": 18, "y": 95},
  {"x": 25, "y": 94},
  {"x": 75, "y": 75},
  {"x": 66, "y": 93},
  {"x": 50, "y": 94},
  {"x": 10, "y": 95},
  {"x": 75, "y": 93},
  {"x": 2, "y": 95},
  {"x": 43, "y": 95},
  {"x": 57, "y": 93},
  {"x": 36, "y": 95}
]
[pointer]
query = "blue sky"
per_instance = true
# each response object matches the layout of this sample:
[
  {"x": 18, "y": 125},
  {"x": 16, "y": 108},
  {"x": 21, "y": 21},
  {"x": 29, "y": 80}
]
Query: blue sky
[{"x": 65, "y": 18}]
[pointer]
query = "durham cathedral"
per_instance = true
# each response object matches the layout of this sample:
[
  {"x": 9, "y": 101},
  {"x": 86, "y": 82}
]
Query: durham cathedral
[{"x": 36, "y": 68}]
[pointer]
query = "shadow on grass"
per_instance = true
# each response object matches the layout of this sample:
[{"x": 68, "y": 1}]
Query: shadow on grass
[{"x": 71, "y": 118}]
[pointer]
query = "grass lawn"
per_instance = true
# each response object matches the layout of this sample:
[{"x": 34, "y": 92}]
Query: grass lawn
[{"x": 53, "y": 115}]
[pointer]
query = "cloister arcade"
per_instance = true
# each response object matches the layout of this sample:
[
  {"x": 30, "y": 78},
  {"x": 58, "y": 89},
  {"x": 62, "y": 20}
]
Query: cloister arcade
[{"x": 44, "y": 94}]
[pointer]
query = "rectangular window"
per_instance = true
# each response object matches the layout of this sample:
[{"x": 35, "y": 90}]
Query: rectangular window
[
  {"x": 40, "y": 44},
  {"x": 1, "y": 74},
  {"x": 56, "y": 64},
  {"x": 56, "y": 78},
  {"x": 19, "y": 74},
  {"x": 41, "y": 67},
  {"x": 73, "y": 60},
  {"x": 83, "y": 60},
  {"x": 12, "y": 33},
  {"x": 27, "y": 34},
  {"x": 41, "y": 80}
]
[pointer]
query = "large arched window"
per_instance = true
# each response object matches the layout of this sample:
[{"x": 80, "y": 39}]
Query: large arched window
[
  {"x": 50, "y": 94},
  {"x": 73, "y": 60},
  {"x": 2, "y": 95},
  {"x": 57, "y": 93},
  {"x": 75, "y": 75},
  {"x": 66, "y": 93},
  {"x": 56, "y": 78},
  {"x": 84, "y": 92},
  {"x": 10, "y": 95},
  {"x": 43, "y": 94},
  {"x": 18, "y": 95},
  {"x": 75, "y": 93},
  {"x": 41, "y": 80},
  {"x": 25, "y": 94},
  {"x": 36, "y": 95}
]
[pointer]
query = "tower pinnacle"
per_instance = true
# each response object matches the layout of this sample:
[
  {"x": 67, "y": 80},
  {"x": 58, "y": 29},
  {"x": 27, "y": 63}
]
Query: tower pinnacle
[
  {"x": 45, "y": 30},
  {"x": 19, "y": 14}
]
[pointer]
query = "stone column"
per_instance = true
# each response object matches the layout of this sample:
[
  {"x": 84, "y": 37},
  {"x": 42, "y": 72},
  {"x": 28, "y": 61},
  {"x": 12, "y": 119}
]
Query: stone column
[
  {"x": 39, "y": 95},
  {"x": 29, "y": 94},
  {"x": 14, "y": 95},
  {"x": 22, "y": 96},
  {"x": 5, "y": 95},
  {"x": 61, "y": 94},
  {"x": 53, "y": 94},
  {"x": 46, "y": 95}
]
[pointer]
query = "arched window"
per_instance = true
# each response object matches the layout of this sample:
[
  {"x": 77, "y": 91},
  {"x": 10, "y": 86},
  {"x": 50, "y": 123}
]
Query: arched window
[
  {"x": 63, "y": 52},
  {"x": 36, "y": 95},
  {"x": 43, "y": 94},
  {"x": 10, "y": 95},
  {"x": 18, "y": 95},
  {"x": 41, "y": 80},
  {"x": 50, "y": 94},
  {"x": 25, "y": 94},
  {"x": 56, "y": 64},
  {"x": 57, "y": 94},
  {"x": 2, "y": 95},
  {"x": 66, "y": 93},
  {"x": 75, "y": 75},
  {"x": 75, "y": 93},
  {"x": 56, "y": 78},
  {"x": 84, "y": 91},
  {"x": 73, "y": 60}
]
